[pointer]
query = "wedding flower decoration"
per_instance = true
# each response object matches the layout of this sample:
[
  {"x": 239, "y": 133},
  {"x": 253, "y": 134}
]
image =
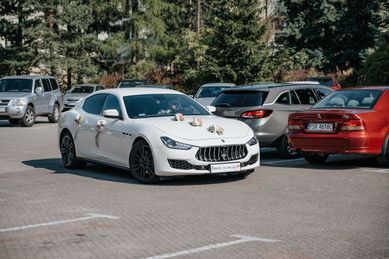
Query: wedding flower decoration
[
  {"x": 99, "y": 130},
  {"x": 197, "y": 122},
  {"x": 212, "y": 128},
  {"x": 179, "y": 117},
  {"x": 216, "y": 129}
]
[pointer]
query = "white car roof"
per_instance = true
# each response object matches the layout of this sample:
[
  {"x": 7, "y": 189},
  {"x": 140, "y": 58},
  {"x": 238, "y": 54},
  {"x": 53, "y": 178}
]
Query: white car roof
[{"x": 138, "y": 91}]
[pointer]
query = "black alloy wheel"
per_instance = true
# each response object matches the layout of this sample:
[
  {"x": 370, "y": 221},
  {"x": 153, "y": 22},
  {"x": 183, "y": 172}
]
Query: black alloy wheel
[
  {"x": 383, "y": 159},
  {"x": 68, "y": 152},
  {"x": 142, "y": 163}
]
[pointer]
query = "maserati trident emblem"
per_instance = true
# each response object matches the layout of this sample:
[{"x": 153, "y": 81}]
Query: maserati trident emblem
[{"x": 224, "y": 154}]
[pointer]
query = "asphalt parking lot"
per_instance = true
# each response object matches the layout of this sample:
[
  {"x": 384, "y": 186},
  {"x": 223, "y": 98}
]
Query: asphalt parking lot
[{"x": 285, "y": 209}]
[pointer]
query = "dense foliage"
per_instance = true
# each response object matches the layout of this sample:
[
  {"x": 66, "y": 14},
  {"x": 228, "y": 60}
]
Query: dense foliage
[{"x": 189, "y": 42}]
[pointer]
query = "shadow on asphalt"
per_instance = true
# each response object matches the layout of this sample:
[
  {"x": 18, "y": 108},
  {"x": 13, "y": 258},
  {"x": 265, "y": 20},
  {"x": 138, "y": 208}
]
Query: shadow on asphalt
[
  {"x": 6, "y": 124},
  {"x": 107, "y": 173}
]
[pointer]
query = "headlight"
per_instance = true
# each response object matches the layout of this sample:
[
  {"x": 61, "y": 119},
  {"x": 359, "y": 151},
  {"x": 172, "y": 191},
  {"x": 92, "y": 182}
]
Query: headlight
[
  {"x": 18, "y": 102},
  {"x": 175, "y": 144},
  {"x": 253, "y": 141}
]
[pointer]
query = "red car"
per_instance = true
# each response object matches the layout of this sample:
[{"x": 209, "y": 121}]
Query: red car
[{"x": 348, "y": 121}]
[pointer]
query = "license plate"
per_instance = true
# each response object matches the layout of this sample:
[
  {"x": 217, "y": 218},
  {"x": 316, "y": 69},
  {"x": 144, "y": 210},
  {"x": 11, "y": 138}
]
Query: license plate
[
  {"x": 325, "y": 127},
  {"x": 3, "y": 109},
  {"x": 223, "y": 168}
]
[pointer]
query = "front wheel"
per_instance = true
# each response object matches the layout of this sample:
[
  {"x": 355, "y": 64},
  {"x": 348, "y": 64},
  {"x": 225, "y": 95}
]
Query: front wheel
[
  {"x": 285, "y": 149},
  {"x": 68, "y": 152},
  {"x": 142, "y": 163},
  {"x": 315, "y": 159},
  {"x": 54, "y": 116},
  {"x": 29, "y": 117}
]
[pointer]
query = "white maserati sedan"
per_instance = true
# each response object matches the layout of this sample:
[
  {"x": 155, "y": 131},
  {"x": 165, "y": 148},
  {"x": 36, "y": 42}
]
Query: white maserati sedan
[{"x": 154, "y": 132}]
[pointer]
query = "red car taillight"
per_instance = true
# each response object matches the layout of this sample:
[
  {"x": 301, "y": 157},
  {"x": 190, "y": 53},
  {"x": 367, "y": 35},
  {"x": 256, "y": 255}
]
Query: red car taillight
[
  {"x": 257, "y": 114},
  {"x": 352, "y": 124},
  {"x": 295, "y": 125}
]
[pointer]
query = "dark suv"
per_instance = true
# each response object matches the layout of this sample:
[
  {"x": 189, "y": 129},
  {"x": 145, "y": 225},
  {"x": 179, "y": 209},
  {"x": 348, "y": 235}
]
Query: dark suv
[{"x": 265, "y": 108}]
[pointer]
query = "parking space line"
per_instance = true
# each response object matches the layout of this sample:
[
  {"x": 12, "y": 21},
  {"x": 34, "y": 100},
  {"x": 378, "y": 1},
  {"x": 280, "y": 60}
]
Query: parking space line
[
  {"x": 87, "y": 217},
  {"x": 242, "y": 239},
  {"x": 45, "y": 127}
]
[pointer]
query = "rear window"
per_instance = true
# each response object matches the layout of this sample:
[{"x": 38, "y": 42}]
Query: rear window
[
  {"x": 352, "y": 99},
  {"x": 206, "y": 92},
  {"x": 240, "y": 99}
]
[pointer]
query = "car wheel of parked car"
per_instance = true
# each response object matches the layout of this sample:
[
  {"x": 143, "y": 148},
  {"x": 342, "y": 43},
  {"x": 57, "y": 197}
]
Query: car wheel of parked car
[
  {"x": 54, "y": 116},
  {"x": 68, "y": 152},
  {"x": 316, "y": 159},
  {"x": 383, "y": 159},
  {"x": 142, "y": 163},
  {"x": 285, "y": 149},
  {"x": 29, "y": 117}
]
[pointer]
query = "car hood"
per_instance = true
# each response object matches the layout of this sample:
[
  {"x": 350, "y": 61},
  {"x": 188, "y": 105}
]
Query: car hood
[
  {"x": 184, "y": 130},
  {"x": 205, "y": 101},
  {"x": 75, "y": 96},
  {"x": 12, "y": 95}
]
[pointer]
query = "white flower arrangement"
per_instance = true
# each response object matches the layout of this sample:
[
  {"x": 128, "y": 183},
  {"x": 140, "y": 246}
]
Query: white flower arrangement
[
  {"x": 216, "y": 129},
  {"x": 197, "y": 122},
  {"x": 179, "y": 117}
]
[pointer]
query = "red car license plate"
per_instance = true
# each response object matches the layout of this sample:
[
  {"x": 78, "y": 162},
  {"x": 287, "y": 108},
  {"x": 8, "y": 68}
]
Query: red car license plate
[{"x": 325, "y": 127}]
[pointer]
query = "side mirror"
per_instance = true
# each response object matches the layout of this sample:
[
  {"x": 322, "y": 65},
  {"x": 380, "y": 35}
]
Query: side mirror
[
  {"x": 211, "y": 109},
  {"x": 39, "y": 90},
  {"x": 111, "y": 113}
]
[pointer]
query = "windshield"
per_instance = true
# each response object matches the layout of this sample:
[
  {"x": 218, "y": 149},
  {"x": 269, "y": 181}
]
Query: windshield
[
  {"x": 210, "y": 91},
  {"x": 133, "y": 83},
  {"x": 159, "y": 105},
  {"x": 240, "y": 99},
  {"x": 16, "y": 85},
  {"x": 351, "y": 99},
  {"x": 82, "y": 90}
]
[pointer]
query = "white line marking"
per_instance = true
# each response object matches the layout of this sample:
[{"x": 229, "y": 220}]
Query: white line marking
[
  {"x": 383, "y": 171},
  {"x": 45, "y": 127},
  {"x": 242, "y": 239},
  {"x": 88, "y": 217}
]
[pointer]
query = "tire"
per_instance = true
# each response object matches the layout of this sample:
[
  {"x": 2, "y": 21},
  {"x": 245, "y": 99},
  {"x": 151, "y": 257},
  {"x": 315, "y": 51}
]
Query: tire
[
  {"x": 68, "y": 152},
  {"x": 28, "y": 118},
  {"x": 383, "y": 159},
  {"x": 54, "y": 116},
  {"x": 285, "y": 149},
  {"x": 316, "y": 159},
  {"x": 142, "y": 163},
  {"x": 14, "y": 122}
]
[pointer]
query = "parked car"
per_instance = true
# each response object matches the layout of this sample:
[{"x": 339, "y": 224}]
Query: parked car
[
  {"x": 128, "y": 83},
  {"x": 208, "y": 92},
  {"x": 155, "y": 132},
  {"x": 74, "y": 95},
  {"x": 265, "y": 108},
  {"x": 22, "y": 98},
  {"x": 329, "y": 81},
  {"x": 350, "y": 121}
]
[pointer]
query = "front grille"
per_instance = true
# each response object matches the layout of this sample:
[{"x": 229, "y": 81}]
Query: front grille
[
  {"x": 4, "y": 102},
  {"x": 253, "y": 159},
  {"x": 221, "y": 153},
  {"x": 185, "y": 165}
]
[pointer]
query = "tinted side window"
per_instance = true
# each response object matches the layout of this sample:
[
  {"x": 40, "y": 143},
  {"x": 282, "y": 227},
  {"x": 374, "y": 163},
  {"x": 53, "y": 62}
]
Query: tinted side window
[
  {"x": 112, "y": 103},
  {"x": 46, "y": 85},
  {"x": 240, "y": 99},
  {"x": 54, "y": 84},
  {"x": 321, "y": 93},
  {"x": 38, "y": 83},
  {"x": 295, "y": 99},
  {"x": 94, "y": 104},
  {"x": 284, "y": 98},
  {"x": 306, "y": 96}
]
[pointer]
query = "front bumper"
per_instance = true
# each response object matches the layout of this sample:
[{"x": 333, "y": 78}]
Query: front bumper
[
  {"x": 12, "y": 112},
  {"x": 172, "y": 162}
]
